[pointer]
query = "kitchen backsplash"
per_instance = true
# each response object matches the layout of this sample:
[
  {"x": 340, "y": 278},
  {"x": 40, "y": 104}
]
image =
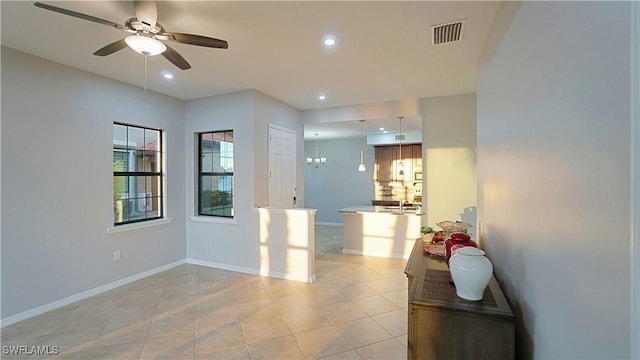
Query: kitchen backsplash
[{"x": 396, "y": 191}]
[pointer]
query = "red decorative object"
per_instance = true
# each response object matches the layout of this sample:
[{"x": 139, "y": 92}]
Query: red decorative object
[{"x": 458, "y": 239}]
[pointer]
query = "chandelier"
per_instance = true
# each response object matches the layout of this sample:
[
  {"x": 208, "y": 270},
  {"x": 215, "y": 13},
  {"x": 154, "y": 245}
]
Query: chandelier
[{"x": 317, "y": 161}]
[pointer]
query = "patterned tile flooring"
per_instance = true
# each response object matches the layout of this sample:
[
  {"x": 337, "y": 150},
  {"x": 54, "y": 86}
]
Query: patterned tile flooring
[{"x": 355, "y": 310}]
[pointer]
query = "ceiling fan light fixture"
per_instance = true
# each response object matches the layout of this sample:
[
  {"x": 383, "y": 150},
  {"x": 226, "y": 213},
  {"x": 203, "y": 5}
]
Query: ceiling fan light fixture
[{"x": 145, "y": 45}]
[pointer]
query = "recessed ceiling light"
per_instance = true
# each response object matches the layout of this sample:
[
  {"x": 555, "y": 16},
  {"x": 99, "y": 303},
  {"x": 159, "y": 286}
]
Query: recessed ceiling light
[
  {"x": 381, "y": 129},
  {"x": 384, "y": 132},
  {"x": 329, "y": 40},
  {"x": 167, "y": 75},
  {"x": 322, "y": 97}
]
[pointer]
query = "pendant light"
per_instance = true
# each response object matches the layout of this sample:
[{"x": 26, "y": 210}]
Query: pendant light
[
  {"x": 361, "y": 167},
  {"x": 399, "y": 138}
]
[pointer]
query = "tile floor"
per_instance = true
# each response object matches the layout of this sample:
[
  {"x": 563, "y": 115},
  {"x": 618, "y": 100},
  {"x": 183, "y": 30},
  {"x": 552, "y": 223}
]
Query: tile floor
[{"x": 355, "y": 310}]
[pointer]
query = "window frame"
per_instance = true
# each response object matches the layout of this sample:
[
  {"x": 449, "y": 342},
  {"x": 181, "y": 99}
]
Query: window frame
[
  {"x": 160, "y": 174},
  {"x": 200, "y": 174}
]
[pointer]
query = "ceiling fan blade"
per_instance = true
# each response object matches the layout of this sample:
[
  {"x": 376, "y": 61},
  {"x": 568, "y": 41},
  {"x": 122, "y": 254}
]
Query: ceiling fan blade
[
  {"x": 198, "y": 40},
  {"x": 176, "y": 59},
  {"x": 79, "y": 15},
  {"x": 146, "y": 12},
  {"x": 111, "y": 48}
]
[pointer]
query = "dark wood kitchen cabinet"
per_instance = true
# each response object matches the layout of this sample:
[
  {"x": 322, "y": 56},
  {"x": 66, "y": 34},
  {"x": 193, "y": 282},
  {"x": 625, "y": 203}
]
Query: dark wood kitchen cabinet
[
  {"x": 387, "y": 157},
  {"x": 384, "y": 161},
  {"x": 417, "y": 162},
  {"x": 443, "y": 326}
]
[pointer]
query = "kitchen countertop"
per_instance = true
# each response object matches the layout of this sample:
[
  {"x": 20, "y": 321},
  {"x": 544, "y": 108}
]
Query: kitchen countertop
[{"x": 377, "y": 209}]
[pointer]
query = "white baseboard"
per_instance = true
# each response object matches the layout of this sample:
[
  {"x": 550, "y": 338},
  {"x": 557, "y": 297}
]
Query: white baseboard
[
  {"x": 253, "y": 271},
  {"x": 328, "y": 223},
  {"x": 83, "y": 295}
]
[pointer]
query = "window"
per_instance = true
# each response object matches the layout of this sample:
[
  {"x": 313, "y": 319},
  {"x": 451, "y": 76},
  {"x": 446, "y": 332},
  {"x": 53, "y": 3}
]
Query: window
[
  {"x": 137, "y": 174},
  {"x": 215, "y": 173}
]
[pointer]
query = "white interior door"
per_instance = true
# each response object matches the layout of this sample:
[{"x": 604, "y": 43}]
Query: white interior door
[{"x": 282, "y": 167}]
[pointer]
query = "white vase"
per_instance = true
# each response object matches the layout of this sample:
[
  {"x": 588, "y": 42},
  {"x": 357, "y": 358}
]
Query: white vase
[{"x": 470, "y": 272}]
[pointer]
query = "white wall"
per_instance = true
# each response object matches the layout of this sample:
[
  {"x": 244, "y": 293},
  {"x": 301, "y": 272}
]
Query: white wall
[
  {"x": 57, "y": 180},
  {"x": 449, "y": 159},
  {"x": 554, "y": 170},
  {"x": 218, "y": 242},
  {"x": 338, "y": 183},
  {"x": 234, "y": 244}
]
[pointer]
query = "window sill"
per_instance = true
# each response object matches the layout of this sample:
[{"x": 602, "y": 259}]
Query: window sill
[
  {"x": 212, "y": 219},
  {"x": 136, "y": 226}
]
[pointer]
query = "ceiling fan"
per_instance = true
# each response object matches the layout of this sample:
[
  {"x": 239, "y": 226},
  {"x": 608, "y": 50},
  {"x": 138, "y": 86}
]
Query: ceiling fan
[{"x": 147, "y": 36}]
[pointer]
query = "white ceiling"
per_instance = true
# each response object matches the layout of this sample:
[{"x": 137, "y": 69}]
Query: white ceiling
[{"x": 383, "y": 49}]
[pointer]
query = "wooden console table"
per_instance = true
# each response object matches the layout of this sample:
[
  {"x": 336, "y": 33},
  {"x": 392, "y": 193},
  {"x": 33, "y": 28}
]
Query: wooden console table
[{"x": 445, "y": 326}]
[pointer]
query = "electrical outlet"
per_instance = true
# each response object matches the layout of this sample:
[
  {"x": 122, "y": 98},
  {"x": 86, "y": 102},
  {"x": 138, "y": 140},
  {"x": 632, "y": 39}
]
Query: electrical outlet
[{"x": 116, "y": 255}]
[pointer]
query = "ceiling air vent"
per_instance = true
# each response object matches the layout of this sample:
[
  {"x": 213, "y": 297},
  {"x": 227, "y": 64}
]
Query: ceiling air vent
[{"x": 447, "y": 33}]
